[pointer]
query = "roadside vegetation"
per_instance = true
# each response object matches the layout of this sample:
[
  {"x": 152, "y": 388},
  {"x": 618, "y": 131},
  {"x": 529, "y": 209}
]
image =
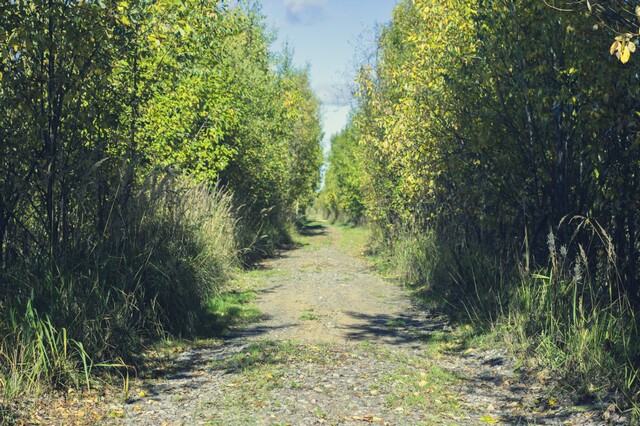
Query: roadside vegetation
[
  {"x": 494, "y": 153},
  {"x": 147, "y": 151}
]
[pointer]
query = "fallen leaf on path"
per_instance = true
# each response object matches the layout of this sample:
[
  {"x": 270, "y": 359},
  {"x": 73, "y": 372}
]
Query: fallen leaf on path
[
  {"x": 490, "y": 419},
  {"x": 118, "y": 413}
]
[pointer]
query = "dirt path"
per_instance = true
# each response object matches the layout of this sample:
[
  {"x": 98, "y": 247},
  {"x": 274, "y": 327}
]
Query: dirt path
[
  {"x": 339, "y": 345},
  {"x": 323, "y": 293}
]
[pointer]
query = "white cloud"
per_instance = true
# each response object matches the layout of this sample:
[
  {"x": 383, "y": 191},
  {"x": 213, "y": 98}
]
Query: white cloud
[{"x": 304, "y": 12}]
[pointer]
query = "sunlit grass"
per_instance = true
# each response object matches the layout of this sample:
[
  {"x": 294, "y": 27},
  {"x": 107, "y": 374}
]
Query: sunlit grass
[
  {"x": 354, "y": 239},
  {"x": 228, "y": 310},
  {"x": 427, "y": 388}
]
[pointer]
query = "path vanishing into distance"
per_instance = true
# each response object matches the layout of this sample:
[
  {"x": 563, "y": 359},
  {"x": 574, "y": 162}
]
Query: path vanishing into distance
[{"x": 339, "y": 345}]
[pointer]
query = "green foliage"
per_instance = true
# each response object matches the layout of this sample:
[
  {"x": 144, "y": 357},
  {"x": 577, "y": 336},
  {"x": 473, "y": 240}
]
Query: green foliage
[
  {"x": 144, "y": 146},
  {"x": 276, "y": 171},
  {"x": 341, "y": 196},
  {"x": 481, "y": 127}
]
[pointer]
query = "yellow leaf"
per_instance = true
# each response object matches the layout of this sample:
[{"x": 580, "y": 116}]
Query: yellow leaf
[
  {"x": 142, "y": 394},
  {"x": 614, "y": 47},
  {"x": 626, "y": 54},
  {"x": 490, "y": 419}
]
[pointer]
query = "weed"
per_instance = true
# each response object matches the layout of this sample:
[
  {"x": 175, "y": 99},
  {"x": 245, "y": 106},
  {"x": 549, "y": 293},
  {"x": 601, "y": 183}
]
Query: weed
[
  {"x": 309, "y": 316},
  {"x": 319, "y": 412}
]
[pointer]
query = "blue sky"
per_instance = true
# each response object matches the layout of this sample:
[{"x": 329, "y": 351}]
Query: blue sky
[{"x": 330, "y": 36}]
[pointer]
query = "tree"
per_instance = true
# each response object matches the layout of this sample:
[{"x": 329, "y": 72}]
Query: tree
[{"x": 343, "y": 188}]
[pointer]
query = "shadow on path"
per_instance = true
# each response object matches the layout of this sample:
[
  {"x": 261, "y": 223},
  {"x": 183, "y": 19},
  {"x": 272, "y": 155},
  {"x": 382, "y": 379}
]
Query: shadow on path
[
  {"x": 312, "y": 229},
  {"x": 394, "y": 329}
]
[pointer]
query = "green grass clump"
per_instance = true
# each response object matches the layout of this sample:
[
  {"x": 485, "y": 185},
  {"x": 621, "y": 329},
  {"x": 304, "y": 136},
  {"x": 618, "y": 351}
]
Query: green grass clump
[
  {"x": 581, "y": 330},
  {"x": 227, "y": 310},
  {"x": 261, "y": 355},
  {"x": 427, "y": 388},
  {"x": 309, "y": 316}
]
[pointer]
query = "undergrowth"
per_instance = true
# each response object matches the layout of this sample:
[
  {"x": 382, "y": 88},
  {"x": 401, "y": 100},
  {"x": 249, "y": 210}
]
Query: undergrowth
[
  {"x": 157, "y": 271},
  {"x": 570, "y": 317},
  {"x": 152, "y": 271},
  {"x": 579, "y": 324}
]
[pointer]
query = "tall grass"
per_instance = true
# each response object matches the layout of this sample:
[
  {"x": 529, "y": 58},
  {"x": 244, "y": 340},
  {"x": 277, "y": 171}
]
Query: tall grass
[
  {"x": 575, "y": 319},
  {"x": 571, "y": 316},
  {"x": 34, "y": 352},
  {"x": 467, "y": 282},
  {"x": 150, "y": 271},
  {"x": 415, "y": 257}
]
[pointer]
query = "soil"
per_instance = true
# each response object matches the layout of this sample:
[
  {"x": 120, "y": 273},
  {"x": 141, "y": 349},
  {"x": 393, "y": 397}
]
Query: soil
[{"x": 338, "y": 344}]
